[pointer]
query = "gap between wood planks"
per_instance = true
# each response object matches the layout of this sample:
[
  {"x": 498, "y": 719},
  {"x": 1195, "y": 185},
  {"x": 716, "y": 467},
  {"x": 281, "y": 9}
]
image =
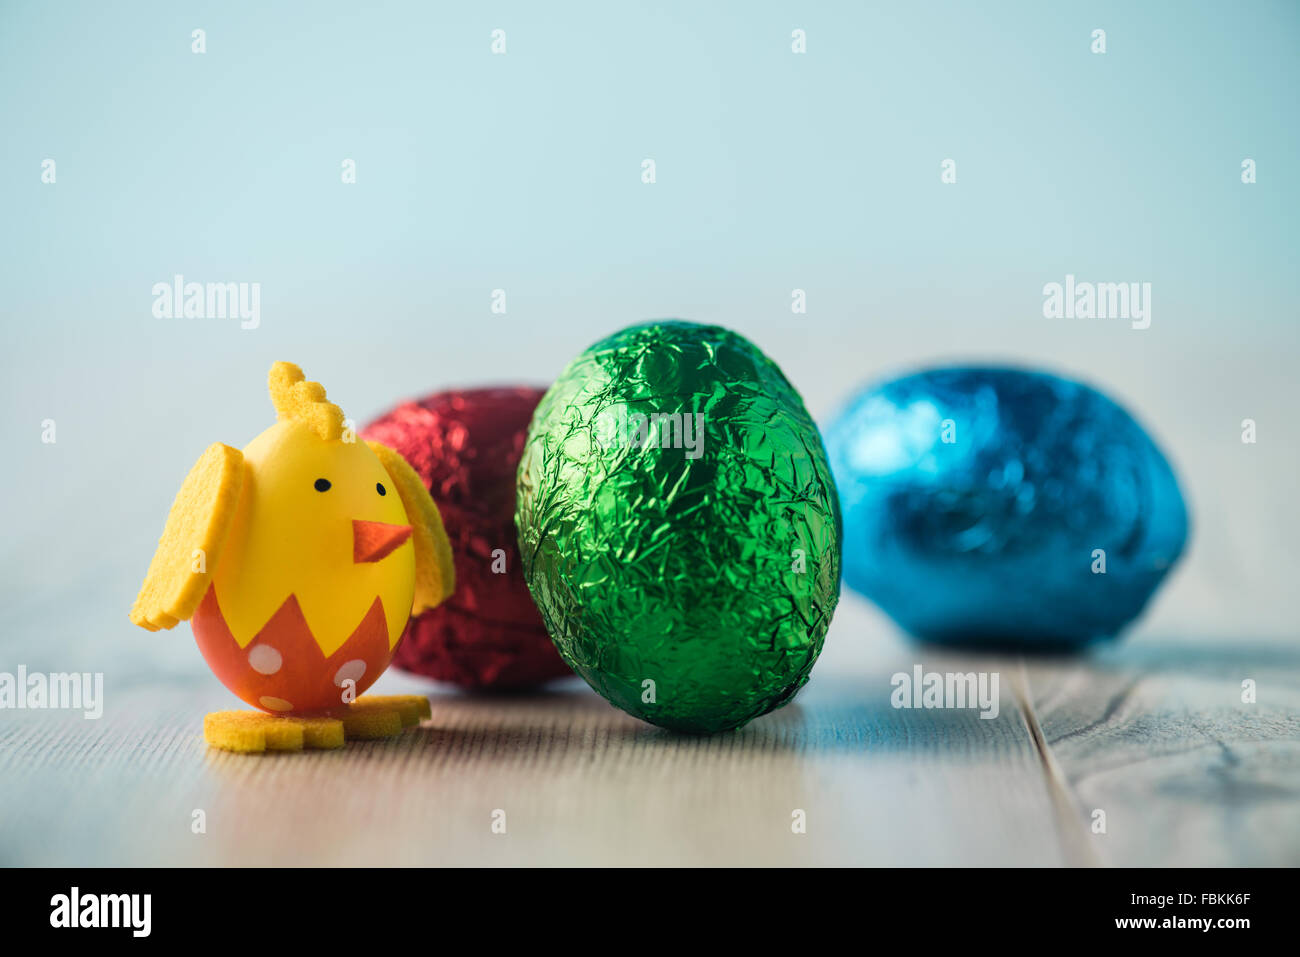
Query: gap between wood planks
[{"x": 1078, "y": 851}]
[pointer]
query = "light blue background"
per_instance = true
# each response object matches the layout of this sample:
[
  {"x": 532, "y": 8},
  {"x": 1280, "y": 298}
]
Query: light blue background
[{"x": 775, "y": 171}]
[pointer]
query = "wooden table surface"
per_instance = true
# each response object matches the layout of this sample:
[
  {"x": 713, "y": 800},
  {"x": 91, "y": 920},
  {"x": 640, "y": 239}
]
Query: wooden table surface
[{"x": 1151, "y": 731}]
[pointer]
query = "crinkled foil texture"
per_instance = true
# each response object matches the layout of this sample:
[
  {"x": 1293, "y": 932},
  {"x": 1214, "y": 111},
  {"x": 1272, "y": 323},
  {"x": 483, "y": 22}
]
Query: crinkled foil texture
[
  {"x": 694, "y": 593},
  {"x": 991, "y": 537},
  {"x": 465, "y": 445}
]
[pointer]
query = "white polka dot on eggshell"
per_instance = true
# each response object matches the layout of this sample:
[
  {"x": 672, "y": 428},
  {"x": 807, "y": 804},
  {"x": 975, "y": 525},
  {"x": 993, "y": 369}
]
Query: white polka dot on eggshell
[
  {"x": 264, "y": 659},
  {"x": 351, "y": 671},
  {"x": 274, "y": 704}
]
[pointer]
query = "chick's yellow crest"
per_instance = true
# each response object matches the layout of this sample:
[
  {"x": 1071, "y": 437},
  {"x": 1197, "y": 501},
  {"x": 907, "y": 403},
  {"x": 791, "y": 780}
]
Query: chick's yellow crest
[{"x": 299, "y": 560}]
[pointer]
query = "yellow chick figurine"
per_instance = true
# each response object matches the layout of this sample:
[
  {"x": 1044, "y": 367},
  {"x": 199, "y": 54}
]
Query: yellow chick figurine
[{"x": 300, "y": 561}]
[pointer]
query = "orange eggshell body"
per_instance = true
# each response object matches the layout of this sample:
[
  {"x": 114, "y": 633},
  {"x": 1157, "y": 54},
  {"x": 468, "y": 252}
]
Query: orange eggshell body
[{"x": 283, "y": 669}]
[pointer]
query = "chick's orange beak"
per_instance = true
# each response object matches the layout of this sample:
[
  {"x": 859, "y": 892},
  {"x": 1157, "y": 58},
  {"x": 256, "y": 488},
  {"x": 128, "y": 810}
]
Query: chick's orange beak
[{"x": 371, "y": 541}]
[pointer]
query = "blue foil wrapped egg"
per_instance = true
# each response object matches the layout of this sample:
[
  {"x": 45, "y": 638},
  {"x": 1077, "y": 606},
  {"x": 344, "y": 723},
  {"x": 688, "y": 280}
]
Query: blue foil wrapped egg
[{"x": 1001, "y": 507}]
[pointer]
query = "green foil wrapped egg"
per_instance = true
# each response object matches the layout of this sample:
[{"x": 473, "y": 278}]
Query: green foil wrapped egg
[{"x": 680, "y": 527}]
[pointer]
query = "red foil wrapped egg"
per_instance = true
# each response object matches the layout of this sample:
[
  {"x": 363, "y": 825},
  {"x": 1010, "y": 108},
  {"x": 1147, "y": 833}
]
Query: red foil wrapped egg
[{"x": 466, "y": 445}]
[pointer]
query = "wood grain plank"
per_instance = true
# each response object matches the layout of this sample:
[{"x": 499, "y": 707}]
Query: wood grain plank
[
  {"x": 580, "y": 782},
  {"x": 1155, "y": 734}
]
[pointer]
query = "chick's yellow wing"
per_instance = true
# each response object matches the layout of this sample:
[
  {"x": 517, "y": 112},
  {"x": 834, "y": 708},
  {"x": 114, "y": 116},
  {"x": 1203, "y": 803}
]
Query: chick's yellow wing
[
  {"x": 192, "y": 539},
  {"x": 435, "y": 575}
]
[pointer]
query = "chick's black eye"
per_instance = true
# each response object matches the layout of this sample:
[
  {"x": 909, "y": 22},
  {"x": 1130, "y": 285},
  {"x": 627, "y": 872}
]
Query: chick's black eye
[
  {"x": 322, "y": 485},
  {"x": 379, "y": 487}
]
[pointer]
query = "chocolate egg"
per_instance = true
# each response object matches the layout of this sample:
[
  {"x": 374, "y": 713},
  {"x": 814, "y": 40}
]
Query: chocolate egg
[
  {"x": 679, "y": 526},
  {"x": 466, "y": 444},
  {"x": 1003, "y": 507}
]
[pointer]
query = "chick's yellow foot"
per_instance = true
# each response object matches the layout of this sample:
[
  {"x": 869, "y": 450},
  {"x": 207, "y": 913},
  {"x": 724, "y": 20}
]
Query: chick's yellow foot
[
  {"x": 383, "y": 715},
  {"x": 368, "y": 718},
  {"x": 251, "y": 731}
]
